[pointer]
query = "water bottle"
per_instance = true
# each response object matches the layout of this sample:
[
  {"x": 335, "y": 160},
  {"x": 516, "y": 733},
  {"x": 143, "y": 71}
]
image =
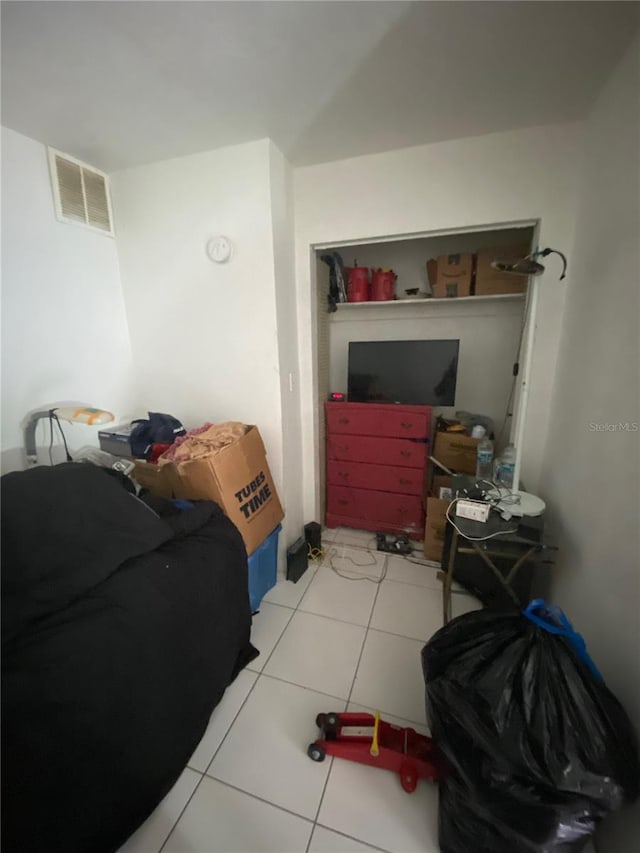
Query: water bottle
[
  {"x": 484, "y": 459},
  {"x": 506, "y": 467}
]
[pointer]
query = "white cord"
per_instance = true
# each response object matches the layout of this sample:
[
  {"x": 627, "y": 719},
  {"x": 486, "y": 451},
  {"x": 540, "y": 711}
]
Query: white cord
[
  {"x": 427, "y": 563},
  {"x": 475, "y": 538},
  {"x": 503, "y": 495},
  {"x": 514, "y": 379},
  {"x": 333, "y": 552}
]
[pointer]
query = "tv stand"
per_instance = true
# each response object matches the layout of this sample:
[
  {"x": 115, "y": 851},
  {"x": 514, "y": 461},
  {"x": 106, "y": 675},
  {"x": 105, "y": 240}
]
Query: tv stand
[{"x": 376, "y": 462}]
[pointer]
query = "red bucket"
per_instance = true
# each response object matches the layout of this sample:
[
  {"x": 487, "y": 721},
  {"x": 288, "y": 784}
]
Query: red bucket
[
  {"x": 357, "y": 284},
  {"x": 383, "y": 286}
]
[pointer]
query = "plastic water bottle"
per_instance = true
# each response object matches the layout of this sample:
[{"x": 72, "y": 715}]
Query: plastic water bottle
[
  {"x": 484, "y": 459},
  {"x": 506, "y": 467}
]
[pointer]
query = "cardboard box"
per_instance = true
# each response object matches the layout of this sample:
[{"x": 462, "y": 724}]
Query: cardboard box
[
  {"x": 455, "y": 275},
  {"x": 456, "y": 451},
  {"x": 158, "y": 479},
  {"x": 432, "y": 273},
  {"x": 434, "y": 529},
  {"x": 237, "y": 478},
  {"x": 441, "y": 486},
  {"x": 490, "y": 281}
]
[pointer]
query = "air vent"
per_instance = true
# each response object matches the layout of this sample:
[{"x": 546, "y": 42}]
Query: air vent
[{"x": 80, "y": 192}]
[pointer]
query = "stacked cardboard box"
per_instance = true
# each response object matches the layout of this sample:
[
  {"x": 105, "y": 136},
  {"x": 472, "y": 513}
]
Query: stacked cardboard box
[
  {"x": 451, "y": 275},
  {"x": 457, "y": 452},
  {"x": 490, "y": 281},
  {"x": 466, "y": 273},
  {"x": 237, "y": 478},
  {"x": 436, "y": 505}
]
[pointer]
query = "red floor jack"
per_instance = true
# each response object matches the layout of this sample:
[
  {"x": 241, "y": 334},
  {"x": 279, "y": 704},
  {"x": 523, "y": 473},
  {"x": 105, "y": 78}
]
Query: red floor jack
[{"x": 369, "y": 740}]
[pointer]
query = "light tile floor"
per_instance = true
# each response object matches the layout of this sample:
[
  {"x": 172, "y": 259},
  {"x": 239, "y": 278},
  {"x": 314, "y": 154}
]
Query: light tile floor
[{"x": 326, "y": 644}]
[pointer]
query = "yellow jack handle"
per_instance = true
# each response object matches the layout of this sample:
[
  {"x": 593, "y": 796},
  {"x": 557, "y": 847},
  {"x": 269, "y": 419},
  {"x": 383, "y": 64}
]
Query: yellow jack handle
[{"x": 375, "y": 749}]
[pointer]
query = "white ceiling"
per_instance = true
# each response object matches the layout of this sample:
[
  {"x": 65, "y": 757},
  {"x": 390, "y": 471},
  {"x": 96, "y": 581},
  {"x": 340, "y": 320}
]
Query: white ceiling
[{"x": 124, "y": 83}]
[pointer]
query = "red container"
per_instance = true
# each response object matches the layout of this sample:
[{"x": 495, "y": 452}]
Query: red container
[
  {"x": 383, "y": 285},
  {"x": 357, "y": 284}
]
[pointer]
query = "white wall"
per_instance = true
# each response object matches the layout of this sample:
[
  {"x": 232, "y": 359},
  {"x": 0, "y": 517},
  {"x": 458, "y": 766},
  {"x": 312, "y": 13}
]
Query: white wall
[
  {"x": 591, "y": 478},
  {"x": 204, "y": 336},
  {"x": 497, "y": 179},
  {"x": 64, "y": 330},
  {"x": 282, "y": 213},
  {"x": 488, "y": 334}
]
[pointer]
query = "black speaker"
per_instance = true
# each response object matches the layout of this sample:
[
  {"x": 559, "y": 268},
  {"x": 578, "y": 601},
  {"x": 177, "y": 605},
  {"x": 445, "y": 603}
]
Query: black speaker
[
  {"x": 297, "y": 560},
  {"x": 313, "y": 535}
]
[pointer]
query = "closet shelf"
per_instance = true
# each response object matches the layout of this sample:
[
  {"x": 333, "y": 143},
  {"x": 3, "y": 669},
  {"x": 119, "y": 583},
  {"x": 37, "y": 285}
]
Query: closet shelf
[{"x": 497, "y": 297}]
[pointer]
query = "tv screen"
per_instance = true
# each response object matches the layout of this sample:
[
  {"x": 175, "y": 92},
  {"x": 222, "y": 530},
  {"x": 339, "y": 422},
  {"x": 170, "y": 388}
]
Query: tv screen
[{"x": 410, "y": 372}]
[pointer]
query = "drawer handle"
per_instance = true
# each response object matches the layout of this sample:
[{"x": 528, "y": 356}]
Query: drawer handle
[
  {"x": 342, "y": 502},
  {"x": 403, "y": 510},
  {"x": 343, "y": 420},
  {"x": 404, "y": 482},
  {"x": 406, "y": 425},
  {"x": 342, "y": 448},
  {"x": 344, "y": 474},
  {"x": 406, "y": 453}
]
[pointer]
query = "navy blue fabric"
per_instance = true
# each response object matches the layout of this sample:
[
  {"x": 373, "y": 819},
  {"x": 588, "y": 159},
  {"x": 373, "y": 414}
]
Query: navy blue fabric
[{"x": 159, "y": 429}]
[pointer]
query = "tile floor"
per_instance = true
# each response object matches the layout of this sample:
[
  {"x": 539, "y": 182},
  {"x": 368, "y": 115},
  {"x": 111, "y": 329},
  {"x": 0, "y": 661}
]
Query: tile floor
[{"x": 326, "y": 644}]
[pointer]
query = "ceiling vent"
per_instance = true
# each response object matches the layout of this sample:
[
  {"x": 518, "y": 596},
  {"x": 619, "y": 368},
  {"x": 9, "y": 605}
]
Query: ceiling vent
[{"x": 80, "y": 193}]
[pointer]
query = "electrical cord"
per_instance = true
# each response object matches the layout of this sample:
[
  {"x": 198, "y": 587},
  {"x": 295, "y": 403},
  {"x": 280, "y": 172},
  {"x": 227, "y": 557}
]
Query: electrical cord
[
  {"x": 64, "y": 440},
  {"x": 503, "y": 496},
  {"x": 315, "y": 553},
  {"x": 334, "y": 552},
  {"x": 475, "y": 538},
  {"x": 427, "y": 563},
  {"x": 516, "y": 372},
  {"x": 50, "y": 438}
]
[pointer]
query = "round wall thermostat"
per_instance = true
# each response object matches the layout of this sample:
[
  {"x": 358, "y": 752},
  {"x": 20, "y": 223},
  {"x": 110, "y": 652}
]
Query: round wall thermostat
[{"x": 219, "y": 249}]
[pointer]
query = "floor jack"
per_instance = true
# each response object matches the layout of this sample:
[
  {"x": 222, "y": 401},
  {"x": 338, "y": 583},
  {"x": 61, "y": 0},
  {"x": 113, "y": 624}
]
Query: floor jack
[{"x": 367, "y": 739}]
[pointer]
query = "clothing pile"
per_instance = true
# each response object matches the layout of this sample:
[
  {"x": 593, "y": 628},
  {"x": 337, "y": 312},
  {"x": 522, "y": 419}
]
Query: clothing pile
[
  {"x": 149, "y": 438},
  {"x": 202, "y": 441}
]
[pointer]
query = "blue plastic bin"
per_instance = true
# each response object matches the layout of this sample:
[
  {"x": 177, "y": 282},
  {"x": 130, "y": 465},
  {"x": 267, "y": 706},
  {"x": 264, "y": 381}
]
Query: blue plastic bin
[{"x": 263, "y": 569}]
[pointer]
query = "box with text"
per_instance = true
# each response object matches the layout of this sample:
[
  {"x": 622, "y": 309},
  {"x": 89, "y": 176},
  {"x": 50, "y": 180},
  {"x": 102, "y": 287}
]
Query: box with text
[{"x": 238, "y": 478}]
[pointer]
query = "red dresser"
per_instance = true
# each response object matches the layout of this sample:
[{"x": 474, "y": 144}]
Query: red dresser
[{"x": 376, "y": 460}]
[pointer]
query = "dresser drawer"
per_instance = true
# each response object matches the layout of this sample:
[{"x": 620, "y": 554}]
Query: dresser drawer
[
  {"x": 381, "y": 451},
  {"x": 376, "y": 510},
  {"x": 382, "y": 478},
  {"x": 377, "y": 419}
]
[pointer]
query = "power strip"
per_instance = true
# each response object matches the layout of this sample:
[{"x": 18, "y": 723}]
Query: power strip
[{"x": 474, "y": 510}]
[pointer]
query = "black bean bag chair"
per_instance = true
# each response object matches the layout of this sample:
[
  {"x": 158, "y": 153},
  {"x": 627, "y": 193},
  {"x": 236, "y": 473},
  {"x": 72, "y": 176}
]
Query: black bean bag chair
[{"x": 122, "y": 625}]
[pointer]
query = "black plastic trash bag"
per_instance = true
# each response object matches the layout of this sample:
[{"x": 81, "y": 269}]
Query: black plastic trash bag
[{"x": 538, "y": 749}]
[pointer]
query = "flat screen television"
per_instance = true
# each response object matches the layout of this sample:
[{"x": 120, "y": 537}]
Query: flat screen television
[{"x": 410, "y": 372}]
